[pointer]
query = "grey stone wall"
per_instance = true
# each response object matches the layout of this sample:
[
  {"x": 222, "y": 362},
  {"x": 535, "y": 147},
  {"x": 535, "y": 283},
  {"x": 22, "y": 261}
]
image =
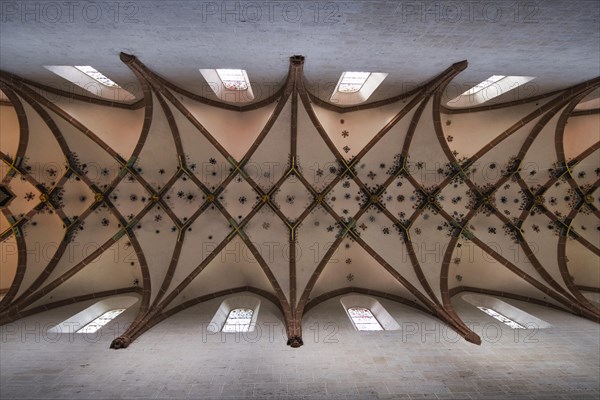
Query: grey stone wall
[{"x": 423, "y": 360}]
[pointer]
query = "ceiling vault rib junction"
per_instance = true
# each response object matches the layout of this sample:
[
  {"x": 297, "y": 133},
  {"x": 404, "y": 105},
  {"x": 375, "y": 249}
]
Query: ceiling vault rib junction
[
  {"x": 150, "y": 319},
  {"x": 163, "y": 297},
  {"x": 585, "y": 196},
  {"x": 582, "y": 306},
  {"x": 38, "y": 102},
  {"x": 347, "y": 166}
]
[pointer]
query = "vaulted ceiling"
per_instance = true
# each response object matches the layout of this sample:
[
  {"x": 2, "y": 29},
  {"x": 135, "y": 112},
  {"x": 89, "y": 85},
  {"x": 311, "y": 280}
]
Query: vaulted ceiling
[{"x": 182, "y": 198}]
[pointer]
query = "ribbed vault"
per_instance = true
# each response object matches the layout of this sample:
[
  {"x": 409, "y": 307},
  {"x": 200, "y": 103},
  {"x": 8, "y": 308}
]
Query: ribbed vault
[{"x": 183, "y": 199}]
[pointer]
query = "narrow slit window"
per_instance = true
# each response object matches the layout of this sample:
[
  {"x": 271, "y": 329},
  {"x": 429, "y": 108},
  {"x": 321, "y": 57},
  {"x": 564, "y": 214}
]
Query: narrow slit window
[
  {"x": 364, "y": 320},
  {"x": 233, "y": 79},
  {"x": 505, "y": 320},
  {"x": 97, "y": 75},
  {"x": 101, "y": 321},
  {"x": 352, "y": 82},
  {"x": 238, "y": 320}
]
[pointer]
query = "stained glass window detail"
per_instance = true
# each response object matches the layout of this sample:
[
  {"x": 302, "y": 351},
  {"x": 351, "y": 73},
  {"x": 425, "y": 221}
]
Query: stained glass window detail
[
  {"x": 238, "y": 320},
  {"x": 352, "y": 82},
  {"x": 233, "y": 79},
  {"x": 505, "y": 320},
  {"x": 96, "y": 75},
  {"x": 364, "y": 320},
  {"x": 101, "y": 321}
]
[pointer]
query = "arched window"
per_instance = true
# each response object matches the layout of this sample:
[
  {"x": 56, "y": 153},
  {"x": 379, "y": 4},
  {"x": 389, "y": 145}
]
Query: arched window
[
  {"x": 236, "y": 314},
  {"x": 368, "y": 314},
  {"x": 505, "y": 320},
  {"x": 364, "y": 320},
  {"x": 230, "y": 85},
  {"x": 234, "y": 79},
  {"x": 508, "y": 314},
  {"x": 92, "y": 80},
  {"x": 493, "y": 86},
  {"x": 96, "y": 315},
  {"x": 356, "y": 87},
  {"x": 101, "y": 321},
  {"x": 238, "y": 320},
  {"x": 352, "y": 82}
]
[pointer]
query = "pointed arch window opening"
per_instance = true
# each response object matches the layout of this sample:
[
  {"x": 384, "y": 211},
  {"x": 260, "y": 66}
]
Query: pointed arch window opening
[
  {"x": 492, "y": 87},
  {"x": 355, "y": 87},
  {"x": 352, "y": 82},
  {"x": 238, "y": 320},
  {"x": 233, "y": 79},
  {"x": 97, "y": 75},
  {"x": 485, "y": 84},
  {"x": 364, "y": 320},
  {"x": 229, "y": 84},
  {"x": 101, "y": 321},
  {"x": 502, "y": 318},
  {"x": 91, "y": 80}
]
